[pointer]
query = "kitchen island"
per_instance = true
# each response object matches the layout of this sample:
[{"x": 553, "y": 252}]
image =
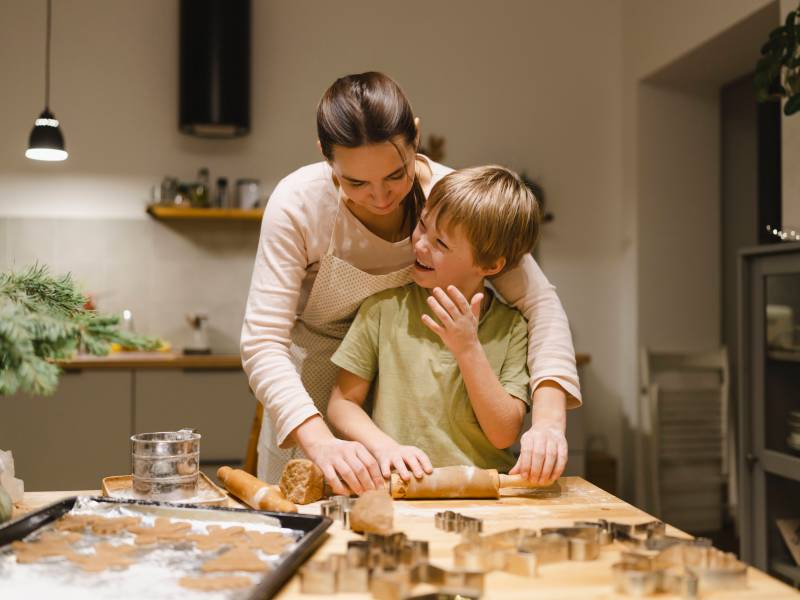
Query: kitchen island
[{"x": 579, "y": 500}]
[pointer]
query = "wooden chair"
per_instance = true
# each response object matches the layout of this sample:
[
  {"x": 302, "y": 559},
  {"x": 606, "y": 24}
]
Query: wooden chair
[
  {"x": 251, "y": 455},
  {"x": 685, "y": 439}
]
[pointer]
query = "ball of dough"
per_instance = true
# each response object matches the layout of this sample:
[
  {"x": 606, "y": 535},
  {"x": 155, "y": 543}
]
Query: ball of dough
[
  {"x": 302, "y": 481},
  {"x": 373, "y": 512}
]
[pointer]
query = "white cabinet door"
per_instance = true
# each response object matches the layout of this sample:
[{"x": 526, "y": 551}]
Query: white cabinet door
[
  {"x": 216, "y": 403},
  {"x": 74, "y": 438}
]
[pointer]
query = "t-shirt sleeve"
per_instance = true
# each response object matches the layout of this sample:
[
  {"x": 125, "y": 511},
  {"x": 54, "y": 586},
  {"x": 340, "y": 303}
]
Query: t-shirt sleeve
[
  {"x": 514, "y": 372},
  {"x": 358, "y": 352}
]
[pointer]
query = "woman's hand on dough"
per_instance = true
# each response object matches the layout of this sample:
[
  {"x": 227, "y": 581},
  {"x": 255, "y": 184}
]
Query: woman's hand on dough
[
  {"x": 347, "y": 465},
  {"x": 458, "y": 319},
  {"x": 403, "y": 458},
  {"x": 543, "y": 454}
]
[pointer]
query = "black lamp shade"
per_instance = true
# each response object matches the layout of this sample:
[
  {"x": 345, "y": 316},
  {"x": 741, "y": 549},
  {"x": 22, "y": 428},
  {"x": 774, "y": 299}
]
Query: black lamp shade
[{"x": 46, "y": 141}]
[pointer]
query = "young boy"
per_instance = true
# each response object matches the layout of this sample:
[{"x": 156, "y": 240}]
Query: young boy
[{"x": 447, "y": 358}]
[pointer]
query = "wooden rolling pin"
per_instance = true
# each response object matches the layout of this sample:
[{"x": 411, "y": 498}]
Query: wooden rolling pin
[
  {"x": 458, "y": 482},
  {"x": 254, "y": 492}
]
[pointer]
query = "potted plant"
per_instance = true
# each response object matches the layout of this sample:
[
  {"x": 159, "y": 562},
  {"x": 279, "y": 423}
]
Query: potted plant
[{"x": 778, "y": 69}]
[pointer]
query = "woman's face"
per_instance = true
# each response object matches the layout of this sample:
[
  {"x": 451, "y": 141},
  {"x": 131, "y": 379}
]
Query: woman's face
[{"x": 375, "y": 177}]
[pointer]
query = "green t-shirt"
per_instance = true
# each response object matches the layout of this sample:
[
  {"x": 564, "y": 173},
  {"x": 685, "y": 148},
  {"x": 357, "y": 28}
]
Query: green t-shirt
[{"x": 419, "y": 395}]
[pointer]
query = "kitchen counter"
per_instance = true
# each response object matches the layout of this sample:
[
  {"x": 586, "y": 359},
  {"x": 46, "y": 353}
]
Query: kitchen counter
[
  {"x": 152, "y": 360},
  {"x": 579, "y": 500},
  {"x": 171, "y": 360}
]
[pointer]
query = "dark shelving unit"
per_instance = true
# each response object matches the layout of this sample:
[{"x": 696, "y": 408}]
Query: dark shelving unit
[{"x": 769, "y": 391}]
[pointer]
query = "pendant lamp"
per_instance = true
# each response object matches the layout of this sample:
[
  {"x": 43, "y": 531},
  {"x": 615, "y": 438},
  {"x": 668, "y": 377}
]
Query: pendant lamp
[{"x": 46, "y": 141}]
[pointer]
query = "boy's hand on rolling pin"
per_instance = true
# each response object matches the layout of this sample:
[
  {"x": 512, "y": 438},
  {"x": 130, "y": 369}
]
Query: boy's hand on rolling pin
[
  {"x": 458, "y": 319},
  {"x": 403, "y": 458},
  {"x": 543, "y": 454},
  {"x": 349, "y": 460}
]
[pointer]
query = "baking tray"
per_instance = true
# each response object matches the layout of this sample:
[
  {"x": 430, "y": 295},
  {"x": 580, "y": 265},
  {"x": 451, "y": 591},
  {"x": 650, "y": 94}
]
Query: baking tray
[
  {"x": 208, "y": 493},
  {"x": 312, "y": 527}
]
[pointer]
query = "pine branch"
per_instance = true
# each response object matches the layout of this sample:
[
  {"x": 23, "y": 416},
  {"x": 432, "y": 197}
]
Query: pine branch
[{"x": 43, "y": 319}]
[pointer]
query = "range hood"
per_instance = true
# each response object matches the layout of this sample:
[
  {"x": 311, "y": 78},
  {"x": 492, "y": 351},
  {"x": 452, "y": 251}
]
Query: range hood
[{"x": 215, "y": 68}]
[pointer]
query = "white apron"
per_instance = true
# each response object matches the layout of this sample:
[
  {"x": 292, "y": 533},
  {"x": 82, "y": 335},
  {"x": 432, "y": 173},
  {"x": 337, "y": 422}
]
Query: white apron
[{"x": 338, "y": 291}]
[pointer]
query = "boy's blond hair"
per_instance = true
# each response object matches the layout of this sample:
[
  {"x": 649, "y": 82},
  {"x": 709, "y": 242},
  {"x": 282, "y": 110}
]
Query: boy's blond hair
[{"x": 497, "y": 212}]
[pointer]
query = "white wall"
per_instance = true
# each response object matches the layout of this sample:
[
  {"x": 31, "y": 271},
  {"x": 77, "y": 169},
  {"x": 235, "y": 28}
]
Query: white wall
[
  {"x": 679, "y": 232},
  {"x": 531, "y": 84},
  {"x": 676, "y": 56},
  {"x": 658, "y": 33}
]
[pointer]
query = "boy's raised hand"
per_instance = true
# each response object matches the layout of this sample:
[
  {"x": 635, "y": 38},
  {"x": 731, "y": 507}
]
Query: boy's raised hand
[
  {"x": 458, "y": 319},
  {"x": 402, "y": 458}
]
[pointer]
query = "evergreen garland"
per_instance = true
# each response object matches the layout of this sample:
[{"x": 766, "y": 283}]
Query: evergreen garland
[{"x": 42, "y": 320}]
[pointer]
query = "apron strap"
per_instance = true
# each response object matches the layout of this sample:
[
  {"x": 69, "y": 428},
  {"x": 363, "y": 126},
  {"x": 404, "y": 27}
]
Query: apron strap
[{"x": 332, "y": 241}]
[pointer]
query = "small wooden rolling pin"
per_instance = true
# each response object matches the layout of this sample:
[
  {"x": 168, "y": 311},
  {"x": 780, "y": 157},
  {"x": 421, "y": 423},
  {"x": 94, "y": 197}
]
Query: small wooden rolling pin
[
  {"x": 254, "y": 492},
  {"x": 458, "y": 482}
]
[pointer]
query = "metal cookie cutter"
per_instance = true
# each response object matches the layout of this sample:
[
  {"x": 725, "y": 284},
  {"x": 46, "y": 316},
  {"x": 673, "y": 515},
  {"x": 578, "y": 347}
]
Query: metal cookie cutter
[
  {"x": 338, "y": 509},
  {"x": 686, "y": 567},
  {"x": 651, "y": 536},
  {"x": 625, "y": 531},
  {"x": 335, "y": 574},
  {"x": 456, "y": 522},
  {"x": 484, "y": 556},
  {"x": 521, "y": 551},
  {"x": 397, "y": 584},
  {"x": 583, "y": 543},
  {"x": 508, "y": 551},
  {"x": 388, "y": 551},
  {"x": 351, "y": 572}
]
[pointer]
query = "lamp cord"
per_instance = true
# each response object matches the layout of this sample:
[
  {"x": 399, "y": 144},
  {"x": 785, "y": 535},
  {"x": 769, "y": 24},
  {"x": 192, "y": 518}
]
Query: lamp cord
[{"x": 47, "y": 58}]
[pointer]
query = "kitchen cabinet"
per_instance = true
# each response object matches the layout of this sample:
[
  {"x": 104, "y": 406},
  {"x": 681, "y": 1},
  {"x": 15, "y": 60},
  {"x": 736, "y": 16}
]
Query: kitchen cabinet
[
  {"x": 769, "y": 411},
  {"x": 75, "y": 437},
  {"x": 217, "y": 403}
]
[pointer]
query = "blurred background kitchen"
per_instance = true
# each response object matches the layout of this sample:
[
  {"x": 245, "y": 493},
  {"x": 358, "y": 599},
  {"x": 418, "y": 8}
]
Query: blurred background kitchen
[{"x": 637, "y": 117}]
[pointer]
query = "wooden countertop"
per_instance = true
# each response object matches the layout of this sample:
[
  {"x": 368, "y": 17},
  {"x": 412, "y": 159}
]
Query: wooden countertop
[
  {"x": 170, "y": 360},
  {"x": 153, "y": 360},
  {"x": 579, "y": 500}
]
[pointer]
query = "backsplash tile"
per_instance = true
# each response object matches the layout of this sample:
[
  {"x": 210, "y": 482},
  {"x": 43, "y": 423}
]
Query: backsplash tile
[{"x": 157, "y": 270}]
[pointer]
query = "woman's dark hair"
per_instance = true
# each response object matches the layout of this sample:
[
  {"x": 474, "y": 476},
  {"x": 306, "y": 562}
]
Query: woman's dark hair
[{"x": 369, "y": 108}]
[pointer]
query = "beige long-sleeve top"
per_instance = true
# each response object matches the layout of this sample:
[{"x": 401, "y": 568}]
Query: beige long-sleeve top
[{"x": 295, "y": 233}]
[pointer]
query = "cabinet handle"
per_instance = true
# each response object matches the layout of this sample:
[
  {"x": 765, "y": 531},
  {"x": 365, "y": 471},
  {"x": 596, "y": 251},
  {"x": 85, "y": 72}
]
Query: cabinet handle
[{"x": 751, "y": 459}]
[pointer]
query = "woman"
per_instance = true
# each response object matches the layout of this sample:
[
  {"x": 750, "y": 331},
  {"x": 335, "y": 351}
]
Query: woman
[{"x": 338, "y": 231}]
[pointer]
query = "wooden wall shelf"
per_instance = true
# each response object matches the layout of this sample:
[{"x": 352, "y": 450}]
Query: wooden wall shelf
[
  {"x": 153, "y": 360},
  {"x": 174, "y": 213}
]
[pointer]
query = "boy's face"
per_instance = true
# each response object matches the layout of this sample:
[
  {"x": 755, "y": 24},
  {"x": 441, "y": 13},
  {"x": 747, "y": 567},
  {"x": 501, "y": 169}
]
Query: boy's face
[{"x": 444, "y": 257}]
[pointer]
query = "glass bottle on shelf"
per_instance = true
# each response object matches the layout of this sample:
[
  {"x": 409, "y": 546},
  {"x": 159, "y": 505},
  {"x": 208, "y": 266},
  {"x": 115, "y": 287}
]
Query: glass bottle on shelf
[{"x": 199, "y": 190}]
